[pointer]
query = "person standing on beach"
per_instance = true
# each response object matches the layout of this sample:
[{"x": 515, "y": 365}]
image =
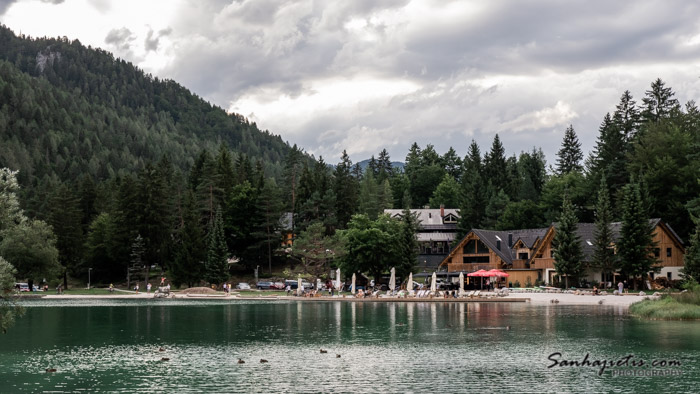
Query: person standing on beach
[
  {"x": 620, "y": 287},
  {"x": 148, "y": 288}
]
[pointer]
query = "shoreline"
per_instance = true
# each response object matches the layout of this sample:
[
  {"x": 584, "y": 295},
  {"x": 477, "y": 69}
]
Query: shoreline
[{"x": 532, "y": 298}]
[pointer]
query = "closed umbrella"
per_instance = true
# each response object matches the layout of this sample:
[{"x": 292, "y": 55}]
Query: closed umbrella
[
  {"x": 461, "y": 284},
  {"x": 433, "y": 283},
  {"x": 409, "y": 285},
  {"x": 300, "y": 287},
  {"x": 352, "y": 287},
  {"x": 392, "y": 279},
  {"x": 337, "y": 280}
]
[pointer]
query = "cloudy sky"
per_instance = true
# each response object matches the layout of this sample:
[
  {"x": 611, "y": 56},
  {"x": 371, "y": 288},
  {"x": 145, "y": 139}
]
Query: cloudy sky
[{"x": 364, "y": 75}]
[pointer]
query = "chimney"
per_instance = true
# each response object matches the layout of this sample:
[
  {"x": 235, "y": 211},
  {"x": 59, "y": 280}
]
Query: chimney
[
  {"x": 498, "y": 244},
  {"x": 510, "y": 240},
  {"x": 442, "y": 211}
]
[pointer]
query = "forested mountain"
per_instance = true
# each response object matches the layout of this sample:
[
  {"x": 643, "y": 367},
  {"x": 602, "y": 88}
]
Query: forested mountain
[
  {"x": 68, "y": 110},
  {"x": 118, "y": 169}
]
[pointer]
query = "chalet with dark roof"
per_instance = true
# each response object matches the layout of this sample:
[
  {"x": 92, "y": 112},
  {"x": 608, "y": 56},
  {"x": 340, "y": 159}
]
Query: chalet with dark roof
[{"x": 527, "y": 255}]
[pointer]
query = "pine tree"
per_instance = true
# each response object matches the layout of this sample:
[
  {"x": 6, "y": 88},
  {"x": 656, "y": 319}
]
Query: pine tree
[
  {"x": 345, "y": 186},
  {"x": 408, "y": 244},
  {"x": 472, "y": 194},
  {"x": 610, "y": 160},
  {"x": 627, "y": 116},
  {"x": 691, "y": 260},
  {"x": 636, "y": 244},
  {"x": 568, "y": 253},
  {"x": 216, "y": 265},
  {"x": 658, "y": 102},
  {"x": 495, "y": 170},
  {"x": 66, "y": 220},
  {"x": 495, "y": 208},
  {"x": 603, "y": 255},
  {"x": 569, "y": 156},
  {"x": 188, "y": 265}
]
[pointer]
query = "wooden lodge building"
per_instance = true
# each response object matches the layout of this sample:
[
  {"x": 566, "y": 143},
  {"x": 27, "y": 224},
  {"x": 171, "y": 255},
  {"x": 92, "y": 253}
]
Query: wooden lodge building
[{"x": 527, "y": 255}]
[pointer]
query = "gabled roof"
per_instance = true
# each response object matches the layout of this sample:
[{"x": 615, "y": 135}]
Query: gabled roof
[
  {"x": 425, "y": 217},
  {"x": 490, "y": 238}
]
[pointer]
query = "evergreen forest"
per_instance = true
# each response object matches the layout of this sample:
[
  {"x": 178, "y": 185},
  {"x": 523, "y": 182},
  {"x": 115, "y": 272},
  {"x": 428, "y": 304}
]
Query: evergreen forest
[{"x": 106, "y": 168}]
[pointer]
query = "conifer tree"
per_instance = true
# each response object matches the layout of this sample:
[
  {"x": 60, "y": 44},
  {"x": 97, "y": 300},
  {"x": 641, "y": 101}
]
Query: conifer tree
[
  {"x": 658, "y": 102},
  {"x": 569, "y": 156},
  {"x": 495, "y": 208},
  {"x": 603, "y": 255},
  {"x": 691, "y": 260},
  {"x": 636, "y": 244},
  {"x": 188, "y": 265},
  {"x": 345, "y": 186},
  {"x": 216, "y": 265},
  {"x": 495, "y": 170},
  {"x": 472, "y": 202},
  {"x": 408, "y": 244},
  {"x": 568, "y": 253}
]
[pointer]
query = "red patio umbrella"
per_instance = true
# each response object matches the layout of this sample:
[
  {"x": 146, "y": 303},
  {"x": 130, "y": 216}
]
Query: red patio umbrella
[
  {"x": 497, "y": 273},
  {"x": 479, "y": 273}
]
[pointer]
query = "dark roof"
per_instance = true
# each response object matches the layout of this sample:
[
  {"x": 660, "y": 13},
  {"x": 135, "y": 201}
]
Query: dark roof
[{"x": 506, "y": 253}]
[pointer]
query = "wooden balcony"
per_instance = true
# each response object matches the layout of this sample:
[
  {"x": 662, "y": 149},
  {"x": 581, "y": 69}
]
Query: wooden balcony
[
  {"x": 520, "y": 264},
  {"x": 467, "y": 268},
  {"x": 542, "y": 263}
]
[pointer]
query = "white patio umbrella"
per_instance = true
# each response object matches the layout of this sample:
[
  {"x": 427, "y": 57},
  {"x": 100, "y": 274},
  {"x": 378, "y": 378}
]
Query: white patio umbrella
[
  {"x": 392, "y": 279},
  {"x": 433, "y": 283},
  {"x": 300, "y": 287},
  {"x": 409, "y": 285},
  {"x": 338, "y": 286},
  {"x": 352, "y": 287},
  {"x": 461, "y": 284}
]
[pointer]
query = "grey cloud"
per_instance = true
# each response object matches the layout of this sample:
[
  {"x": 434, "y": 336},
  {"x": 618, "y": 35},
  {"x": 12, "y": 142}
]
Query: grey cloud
[
  {"x": 120, "y": 38},
  {"x": 53, "y": 1},
  {"x": 226, "y": 50},
  {"x": 5, "y": 4},
  {"x": 152, "y": 40}
]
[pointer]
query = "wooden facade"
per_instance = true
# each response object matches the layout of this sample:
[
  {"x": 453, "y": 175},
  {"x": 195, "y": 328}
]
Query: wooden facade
[{"x": 532, "y": 253}]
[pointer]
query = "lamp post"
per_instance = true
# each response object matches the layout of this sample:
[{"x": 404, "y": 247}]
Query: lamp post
[
  {"x": 89, "y": 270},
  {"x": 256, "y": 275}
]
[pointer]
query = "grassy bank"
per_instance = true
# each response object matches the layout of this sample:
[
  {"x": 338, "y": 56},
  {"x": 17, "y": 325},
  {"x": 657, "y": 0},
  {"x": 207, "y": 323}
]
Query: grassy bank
[{"x": 683, "y": 306}]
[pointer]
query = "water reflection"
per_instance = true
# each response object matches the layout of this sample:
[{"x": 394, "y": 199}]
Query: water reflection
[{"x": 395, "y": 346}]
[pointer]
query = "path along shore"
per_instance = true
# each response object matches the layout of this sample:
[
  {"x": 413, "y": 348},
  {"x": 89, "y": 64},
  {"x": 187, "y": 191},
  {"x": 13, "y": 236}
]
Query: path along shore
[{"x": 533, "y": 298}]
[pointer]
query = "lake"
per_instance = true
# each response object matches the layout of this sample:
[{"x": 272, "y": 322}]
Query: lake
[{"x": 115, "y": 346}]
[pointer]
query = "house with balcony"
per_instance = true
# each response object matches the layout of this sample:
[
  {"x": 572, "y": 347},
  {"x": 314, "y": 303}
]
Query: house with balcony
[{"x": 527, "y": 255}]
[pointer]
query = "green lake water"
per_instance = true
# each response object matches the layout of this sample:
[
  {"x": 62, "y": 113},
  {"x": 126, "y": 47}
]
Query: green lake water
[{"x": 114, "y": 346}]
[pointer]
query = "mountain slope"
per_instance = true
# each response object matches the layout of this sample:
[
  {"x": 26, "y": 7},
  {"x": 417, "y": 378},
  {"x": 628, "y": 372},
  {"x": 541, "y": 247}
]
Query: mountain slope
[{"x": 68, "y": 110}]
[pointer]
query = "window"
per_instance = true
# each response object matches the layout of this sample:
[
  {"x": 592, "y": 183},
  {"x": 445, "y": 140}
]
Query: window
[
  {"x": 522, "y": 256},
  {"x": 657, "y": 252},
  {"x": 668, "y": 275},
  {"x": 481, "y": 247},
  {"x": 668, "y": 252},
  {"x": 470, "y": 247},
  {"x": 476, "y": 259}
]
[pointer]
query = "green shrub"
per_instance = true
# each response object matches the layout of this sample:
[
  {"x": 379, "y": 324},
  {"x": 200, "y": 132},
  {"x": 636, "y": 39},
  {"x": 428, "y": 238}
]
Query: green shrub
[
  {"x": 517, "y": 283},
  {"x": 529, "y": 282}
]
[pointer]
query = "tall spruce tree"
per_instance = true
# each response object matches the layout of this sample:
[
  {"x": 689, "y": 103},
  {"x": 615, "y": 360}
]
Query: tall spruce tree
[
  {"x": 188, "y": 265},
  {"x": 345, "y": 186},
  {"x": 610, "y": 156},
  {"x": 216, "y": 265},
  {"x": 658, "y": 102},
  {"x": 569, "y": 156},
  {"x": 568, "y": 253},
  {"x": 495, "y": 169},
  {"x": 691, "y": 260},
  {"x": 636, "y": 244},
  {"x": 603, "y": 255},
  {"x": 408, "y": 244},
  {"x": 472, "y": 202}
]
